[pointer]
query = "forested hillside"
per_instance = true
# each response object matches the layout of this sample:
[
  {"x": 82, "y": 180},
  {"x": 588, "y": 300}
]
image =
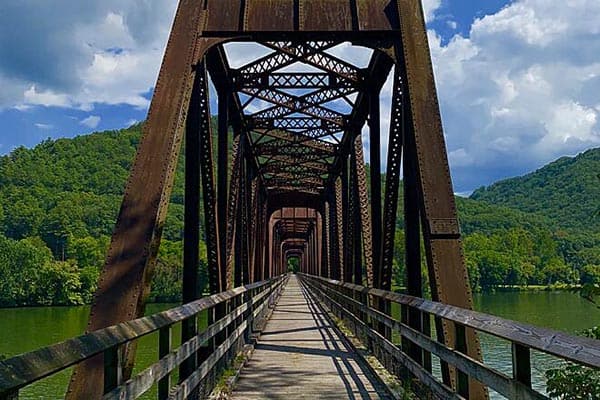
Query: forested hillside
[
  {"x": 567, "y": 191},
  {"x": 59, "y": 202},
  {"x": 58, "y": 205}
]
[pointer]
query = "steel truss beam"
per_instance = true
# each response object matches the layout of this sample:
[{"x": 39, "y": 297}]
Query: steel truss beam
[{"x": 296, "y": 141}]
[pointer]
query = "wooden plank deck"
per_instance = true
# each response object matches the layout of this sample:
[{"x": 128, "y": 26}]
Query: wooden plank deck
[{"x": 301, "y": 356}]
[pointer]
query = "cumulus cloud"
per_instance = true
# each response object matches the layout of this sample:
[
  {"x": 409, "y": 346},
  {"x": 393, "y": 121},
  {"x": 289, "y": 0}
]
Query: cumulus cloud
[
  {"x": 89, "y": 52},
  {"x": 91, "y": 122},
  {"x": 521, "y": 89},
  {"x": 518, "y": 91},
  {"x": 45, "y": 127},
  {"x": 430, "y": 7}
]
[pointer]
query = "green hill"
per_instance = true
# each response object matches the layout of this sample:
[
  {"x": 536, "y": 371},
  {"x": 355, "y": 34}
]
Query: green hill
[
  {"x": 566, "y": 191},
  {"x": 59, "y": 202}
]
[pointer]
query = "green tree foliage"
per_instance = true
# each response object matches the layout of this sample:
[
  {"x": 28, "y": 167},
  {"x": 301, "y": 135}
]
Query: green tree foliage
[
  {"x": 565, "y": 191},
  {"x": 31, "y": 275},
  {"x": 293, "y": 264},
  {"x": 574, "y": 382},
  {"x": 58, "y": 205},
  {"x": 59, "y": 202}
]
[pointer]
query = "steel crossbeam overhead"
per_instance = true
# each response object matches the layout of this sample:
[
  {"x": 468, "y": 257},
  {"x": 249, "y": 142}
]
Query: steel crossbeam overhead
[{"x": 281, "y": 169}]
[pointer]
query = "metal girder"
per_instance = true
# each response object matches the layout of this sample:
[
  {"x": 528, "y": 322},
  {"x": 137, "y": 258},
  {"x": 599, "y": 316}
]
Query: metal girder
[
  {"x": 392, "y": 183},
  {"x": 365, "y": 212},
  {"x": 291, "y": 80},
  {"x": 216, "y": 278},
  {"x": 233, "y": 206},
  {"x": 290, "y": 123},
  {"x": 287, "y": 104},
  {"x": 319, "y": 59},
  {"x": 278, "y": 162},
  {"x": 280, "y": 59},
  {"x": 290, "y": 138}
]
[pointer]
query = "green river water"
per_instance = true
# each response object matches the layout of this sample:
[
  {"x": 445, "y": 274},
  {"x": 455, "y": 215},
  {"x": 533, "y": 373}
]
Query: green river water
[{"x": 25, "y": 329}]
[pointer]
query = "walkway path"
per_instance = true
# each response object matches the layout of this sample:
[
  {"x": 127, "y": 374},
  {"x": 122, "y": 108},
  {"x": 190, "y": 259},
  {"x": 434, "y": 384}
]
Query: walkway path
[{"x": 301, "y": 356}]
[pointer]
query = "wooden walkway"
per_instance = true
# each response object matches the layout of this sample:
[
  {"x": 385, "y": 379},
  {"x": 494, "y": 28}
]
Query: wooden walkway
[{"x": 301, "y": 356}]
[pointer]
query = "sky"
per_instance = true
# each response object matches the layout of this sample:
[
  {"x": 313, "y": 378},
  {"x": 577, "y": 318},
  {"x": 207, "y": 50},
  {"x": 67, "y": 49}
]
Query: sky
[{"x": 518, "y": 81}]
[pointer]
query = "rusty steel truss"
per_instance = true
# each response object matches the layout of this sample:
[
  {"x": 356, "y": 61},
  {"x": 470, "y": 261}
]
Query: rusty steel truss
[{"x": 282, "y": 174}]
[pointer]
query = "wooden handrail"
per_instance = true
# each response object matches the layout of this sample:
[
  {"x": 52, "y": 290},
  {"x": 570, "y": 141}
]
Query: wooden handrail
[
  {"x": 352, "y": 302},
  {"x": 22, "y": 370},
  {"x": 578, "y": 349}
]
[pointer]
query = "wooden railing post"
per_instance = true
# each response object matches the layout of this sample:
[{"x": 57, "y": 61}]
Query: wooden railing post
[
  {"x": 164, "y": 348},
  {"x": 10, "y": 395},
  {"x": 462, "y": 379},
  {"x": 426, "y": 325},
  {"x": 366, "y": 320},
  {"x": 521, "y": 358},
  {"x": 249, "y": 315},
  {"x": 113, "y": 368}
]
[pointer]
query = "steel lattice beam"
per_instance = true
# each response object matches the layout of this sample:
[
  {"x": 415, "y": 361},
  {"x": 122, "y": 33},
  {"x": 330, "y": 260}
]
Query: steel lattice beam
[{"x": 294, "y": 134}]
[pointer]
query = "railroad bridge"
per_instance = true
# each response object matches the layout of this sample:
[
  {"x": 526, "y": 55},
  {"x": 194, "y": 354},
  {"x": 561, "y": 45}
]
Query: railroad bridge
[{"x": 282, "y": 176}]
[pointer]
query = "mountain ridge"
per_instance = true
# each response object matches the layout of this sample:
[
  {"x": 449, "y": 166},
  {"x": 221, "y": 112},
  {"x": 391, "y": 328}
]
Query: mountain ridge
[
  {"x": 59, "y": 202},
  {"x": 566, "y": 191}
]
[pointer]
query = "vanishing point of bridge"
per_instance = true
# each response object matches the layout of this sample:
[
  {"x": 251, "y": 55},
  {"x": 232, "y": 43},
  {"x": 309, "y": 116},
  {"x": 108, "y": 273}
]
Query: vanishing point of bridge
[{"x": 282, "y": 176}]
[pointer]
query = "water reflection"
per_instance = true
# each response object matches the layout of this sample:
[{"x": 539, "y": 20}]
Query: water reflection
[{"x": 26, "y": 329}]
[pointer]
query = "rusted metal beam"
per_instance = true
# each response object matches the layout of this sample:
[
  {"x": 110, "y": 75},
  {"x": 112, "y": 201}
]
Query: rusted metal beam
[
  {"x": 292, "y": 151},
  {"x": 392, "y": 183},
  {"x": 357, "y": 256},
  {"x": 124, "y": 280},
  {"x": 222, "y": 179},
  {"x": 448, "y": 272},
  {"x": 191, "y": 239},
  {"x": 375, "y": 163},
  {"x": 364, "y": 207}
]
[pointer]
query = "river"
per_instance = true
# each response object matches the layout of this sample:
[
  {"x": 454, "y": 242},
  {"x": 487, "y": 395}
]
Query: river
[{"x": 25, "y": 329}]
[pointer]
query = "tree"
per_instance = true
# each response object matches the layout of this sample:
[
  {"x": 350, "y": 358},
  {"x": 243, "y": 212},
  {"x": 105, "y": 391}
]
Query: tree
[
  {"x": 575, "y": 382},
  {"x": 557, "y": 271},
  {"x": 590, "y": 274},
  {"x": 293, "y": 264},
  {"x": 89, "y": 252}
]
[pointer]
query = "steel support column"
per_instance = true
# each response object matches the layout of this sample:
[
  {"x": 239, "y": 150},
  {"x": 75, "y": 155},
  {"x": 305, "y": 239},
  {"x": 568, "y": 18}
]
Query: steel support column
[
  {"x": 357, "y": 256},
  {"x": 222, "y": 178},
  {"x": 375, "y": 163},
  {"x": 347, "y": 224},
  {"x": 447, "y": 269},
  {"x": 191, "y": 238}
]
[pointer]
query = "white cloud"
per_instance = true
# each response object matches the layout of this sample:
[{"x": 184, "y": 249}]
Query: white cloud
[
  {"x": 430, "y": 7},
  {"x": 45, "y": 127},
  {"x": 46, "y": 98},
  {"x": 91, "y": 122},
  {"x": 104, "y": 52},
  {"x": 521, "y": 89},
  {"x": 452, "y": 24}
]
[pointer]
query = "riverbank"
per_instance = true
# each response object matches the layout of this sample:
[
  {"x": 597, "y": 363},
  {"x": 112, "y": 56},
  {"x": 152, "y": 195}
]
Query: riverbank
[
  {"x": 563, "y": 287},
  {"x": 558, "y": 287}
]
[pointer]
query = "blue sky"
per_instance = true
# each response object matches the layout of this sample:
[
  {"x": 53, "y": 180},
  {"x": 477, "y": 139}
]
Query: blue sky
[{"x": 518, "y": 81}]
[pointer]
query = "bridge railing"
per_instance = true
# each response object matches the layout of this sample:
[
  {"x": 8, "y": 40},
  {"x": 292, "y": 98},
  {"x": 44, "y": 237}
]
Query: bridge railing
[
  {"x": 224, "y": 337},
  {"x": 357, "y": 304}
]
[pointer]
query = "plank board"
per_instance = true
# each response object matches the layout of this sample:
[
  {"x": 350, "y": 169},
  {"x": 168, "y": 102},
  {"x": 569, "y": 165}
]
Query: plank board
[{"x": 301, "y": 356}]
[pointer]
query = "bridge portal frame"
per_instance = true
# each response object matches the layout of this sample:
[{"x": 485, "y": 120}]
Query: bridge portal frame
[{"x": 395, "y": 29}]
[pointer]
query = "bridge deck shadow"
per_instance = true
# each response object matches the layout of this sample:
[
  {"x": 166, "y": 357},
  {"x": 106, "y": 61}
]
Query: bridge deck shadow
[{"x": 304, "y": 357}]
